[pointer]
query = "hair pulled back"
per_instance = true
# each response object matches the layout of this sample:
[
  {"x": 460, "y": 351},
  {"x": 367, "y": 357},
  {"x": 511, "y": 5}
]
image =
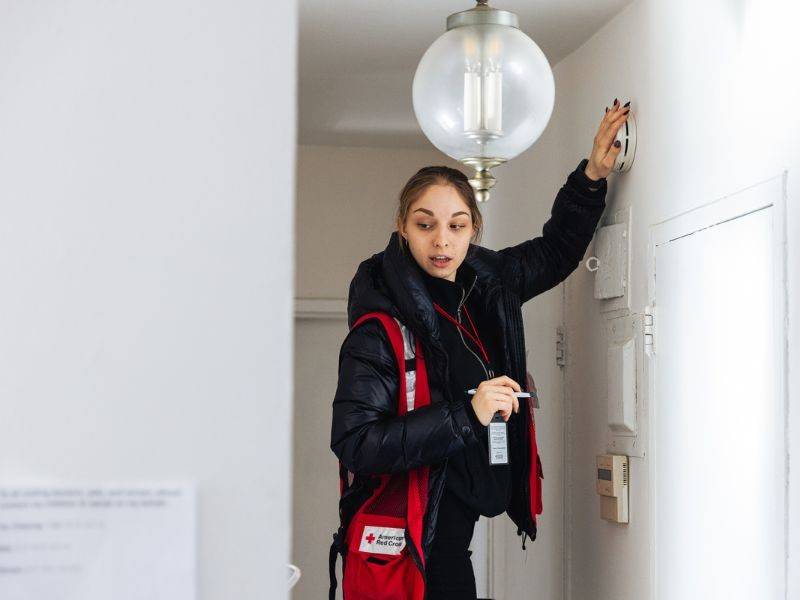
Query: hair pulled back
[{"x": 439, "y": 175}]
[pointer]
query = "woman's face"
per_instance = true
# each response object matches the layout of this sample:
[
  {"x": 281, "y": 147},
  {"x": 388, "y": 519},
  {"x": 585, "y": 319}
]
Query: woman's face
[{"x": 438, "y": 224}]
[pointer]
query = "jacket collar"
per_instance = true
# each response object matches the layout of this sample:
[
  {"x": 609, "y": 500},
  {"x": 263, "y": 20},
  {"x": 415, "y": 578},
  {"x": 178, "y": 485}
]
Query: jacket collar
[
  {"x": 391, "y": 281},
  {"x": 450, "y": 294}
]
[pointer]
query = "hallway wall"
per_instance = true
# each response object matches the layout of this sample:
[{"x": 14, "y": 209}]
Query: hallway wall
[
  {"x": 716, "y": 111},
  {"x": 146, "y": 203}
]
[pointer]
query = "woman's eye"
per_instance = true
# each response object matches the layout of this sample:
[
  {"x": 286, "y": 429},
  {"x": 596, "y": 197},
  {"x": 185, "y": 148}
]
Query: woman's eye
[{"x": 429, "y": 226}]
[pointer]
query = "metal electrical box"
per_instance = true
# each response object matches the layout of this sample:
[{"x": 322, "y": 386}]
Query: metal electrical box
[
  {"x": 611, "y": 250},
  {"x": 627, "y": 383},
  {"x": 621, "y": 378}
]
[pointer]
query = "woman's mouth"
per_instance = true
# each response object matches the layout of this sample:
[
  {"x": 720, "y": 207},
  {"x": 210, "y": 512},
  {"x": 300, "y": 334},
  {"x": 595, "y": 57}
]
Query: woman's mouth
[{"x": 440, "y": 260}]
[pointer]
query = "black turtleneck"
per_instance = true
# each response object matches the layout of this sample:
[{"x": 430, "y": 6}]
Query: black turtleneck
[{"x": 483, "y": 488}]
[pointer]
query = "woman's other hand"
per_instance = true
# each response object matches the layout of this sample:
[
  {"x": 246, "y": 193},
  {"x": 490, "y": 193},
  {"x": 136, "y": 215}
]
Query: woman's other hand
[
  {"x": 605, "y": 149},
  {"x": 495, "y": 395}
]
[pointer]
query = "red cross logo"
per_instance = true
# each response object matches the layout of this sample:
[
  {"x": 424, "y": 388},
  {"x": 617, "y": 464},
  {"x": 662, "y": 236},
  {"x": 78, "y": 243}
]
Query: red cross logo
[{"x": 370, "y": 538}]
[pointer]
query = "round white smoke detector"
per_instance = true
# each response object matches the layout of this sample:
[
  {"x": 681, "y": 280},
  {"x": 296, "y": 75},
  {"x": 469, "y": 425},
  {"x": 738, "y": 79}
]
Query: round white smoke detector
[{"x": 627, "y": 137}]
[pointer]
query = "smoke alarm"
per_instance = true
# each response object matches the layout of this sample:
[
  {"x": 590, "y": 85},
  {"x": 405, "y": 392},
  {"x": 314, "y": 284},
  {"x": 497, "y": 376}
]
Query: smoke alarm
[{"x": 627, "y": 138}]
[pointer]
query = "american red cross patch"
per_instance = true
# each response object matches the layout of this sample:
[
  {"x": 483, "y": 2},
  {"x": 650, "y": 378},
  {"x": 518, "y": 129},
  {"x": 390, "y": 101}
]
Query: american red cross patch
[{"x": 382, "y": 540}]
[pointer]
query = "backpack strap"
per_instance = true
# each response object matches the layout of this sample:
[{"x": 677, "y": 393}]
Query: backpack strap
[
  {"x": 408, "y": 358},
  {"x": 417, "y": 396},
  {"x": 337, "y": 547},
  {"x": 399, "y": 338},
  {"x": 409, "y": 365}
]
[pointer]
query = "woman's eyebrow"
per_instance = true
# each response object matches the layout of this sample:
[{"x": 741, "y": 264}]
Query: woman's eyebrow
[{"x": 455, "y": 214}]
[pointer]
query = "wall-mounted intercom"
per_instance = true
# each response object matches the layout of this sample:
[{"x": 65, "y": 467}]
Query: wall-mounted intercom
[{"x": 612, "y": 486}]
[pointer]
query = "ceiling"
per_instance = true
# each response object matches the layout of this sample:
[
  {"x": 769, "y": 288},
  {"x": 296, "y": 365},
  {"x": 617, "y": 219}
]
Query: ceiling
[{"x": 357, "y": 59}]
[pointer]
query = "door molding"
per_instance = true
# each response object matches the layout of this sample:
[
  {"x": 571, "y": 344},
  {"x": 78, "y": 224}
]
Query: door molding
[{"x": 726, "y": 208}]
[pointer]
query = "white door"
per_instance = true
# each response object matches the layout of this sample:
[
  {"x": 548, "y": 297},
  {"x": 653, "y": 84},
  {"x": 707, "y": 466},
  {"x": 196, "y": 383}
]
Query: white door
[{"x": 719, "y": 427}]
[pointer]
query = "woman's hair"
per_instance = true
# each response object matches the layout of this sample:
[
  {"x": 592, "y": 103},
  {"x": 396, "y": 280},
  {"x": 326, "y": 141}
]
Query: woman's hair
[{"x": 426, "y": 176}]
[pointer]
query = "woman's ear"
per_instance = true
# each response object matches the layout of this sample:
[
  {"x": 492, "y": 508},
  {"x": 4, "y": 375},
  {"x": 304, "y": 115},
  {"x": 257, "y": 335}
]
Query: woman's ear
[{"x": 475, "y": 234}]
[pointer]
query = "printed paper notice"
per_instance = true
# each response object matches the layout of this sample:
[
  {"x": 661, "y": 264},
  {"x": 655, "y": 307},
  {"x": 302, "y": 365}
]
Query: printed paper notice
[{"x": 121, "y": 542}]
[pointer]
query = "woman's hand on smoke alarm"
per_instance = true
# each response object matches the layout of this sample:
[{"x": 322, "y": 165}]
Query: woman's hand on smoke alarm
[
  {"x": 495, "y": 395},
  {"x": 605, "y": 150}
]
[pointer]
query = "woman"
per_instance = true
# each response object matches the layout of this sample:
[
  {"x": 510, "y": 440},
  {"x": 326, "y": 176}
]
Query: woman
[{"x": 463, "y": 303}]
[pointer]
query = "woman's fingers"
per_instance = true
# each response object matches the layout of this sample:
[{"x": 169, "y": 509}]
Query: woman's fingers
[
  {"x": 608, "y": 129},
  {"x": 604, "y": 152},
  {"x": 612, "y": 115},
  {"x": 613, "y": 112},
  {"x": 500, "y": 393},
  {"x": 504, "y": 409},
  {"x": 501, "y": 396},
  {"x": 505, "y": 380},
  {"x": 606, "y": 122},
  {"x": 503, "y": 404},
  {"x": 507, "y": 393},
  {"x": 501, "y": 380},
  {"x": 611, "y": 131},
  {"x": 611, "y": 156},
  {"x": 503, "y": 389},
  {"x": 503, "y": 400}
]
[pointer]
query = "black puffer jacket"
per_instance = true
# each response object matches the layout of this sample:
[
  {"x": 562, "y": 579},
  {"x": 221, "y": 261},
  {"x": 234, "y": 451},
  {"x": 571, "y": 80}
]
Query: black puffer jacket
[{"x": 367, "y": 435}]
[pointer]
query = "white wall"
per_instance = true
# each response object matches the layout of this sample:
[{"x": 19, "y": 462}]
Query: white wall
[
  {"x": 715, "y": 104},
  {"x": 146, "y": 188}
]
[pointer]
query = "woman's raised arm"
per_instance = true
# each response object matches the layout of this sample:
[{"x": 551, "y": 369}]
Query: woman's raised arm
[{"x": 536, "y": 265}]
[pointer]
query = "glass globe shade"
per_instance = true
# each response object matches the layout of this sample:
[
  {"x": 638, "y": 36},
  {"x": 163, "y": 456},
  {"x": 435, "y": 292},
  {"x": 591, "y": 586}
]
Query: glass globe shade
[{"x": 483, "y": 91}]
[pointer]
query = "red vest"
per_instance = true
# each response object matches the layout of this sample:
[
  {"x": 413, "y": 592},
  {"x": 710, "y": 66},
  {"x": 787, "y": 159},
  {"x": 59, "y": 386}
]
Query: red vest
[{"x": 381, "y": 546}]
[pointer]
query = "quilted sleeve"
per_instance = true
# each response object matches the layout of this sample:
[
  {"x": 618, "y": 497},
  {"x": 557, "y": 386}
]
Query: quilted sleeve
[
  {"x": 541, "y": 263},
  {"x": 367, "y": 434}
]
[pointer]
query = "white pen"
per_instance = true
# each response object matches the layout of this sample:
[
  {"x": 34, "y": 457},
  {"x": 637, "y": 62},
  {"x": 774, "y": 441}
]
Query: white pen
[{"x": 517, "y": 394}]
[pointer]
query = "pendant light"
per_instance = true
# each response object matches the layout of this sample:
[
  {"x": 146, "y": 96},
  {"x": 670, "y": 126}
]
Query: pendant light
[{"x": 483, "y": 92}]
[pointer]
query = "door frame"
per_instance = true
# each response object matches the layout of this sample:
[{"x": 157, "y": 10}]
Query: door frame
[{"x": 726, "y": 208}]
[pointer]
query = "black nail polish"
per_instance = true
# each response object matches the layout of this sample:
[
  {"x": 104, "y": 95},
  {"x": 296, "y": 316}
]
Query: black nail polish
[
  {"x": 615, "y": 101},
  {"x": 628, "y": 103},
  {"x": 617, "y": 144}
]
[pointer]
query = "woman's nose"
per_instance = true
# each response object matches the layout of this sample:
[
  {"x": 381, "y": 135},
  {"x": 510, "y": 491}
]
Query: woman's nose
[{"x": 442, "y": 238}]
